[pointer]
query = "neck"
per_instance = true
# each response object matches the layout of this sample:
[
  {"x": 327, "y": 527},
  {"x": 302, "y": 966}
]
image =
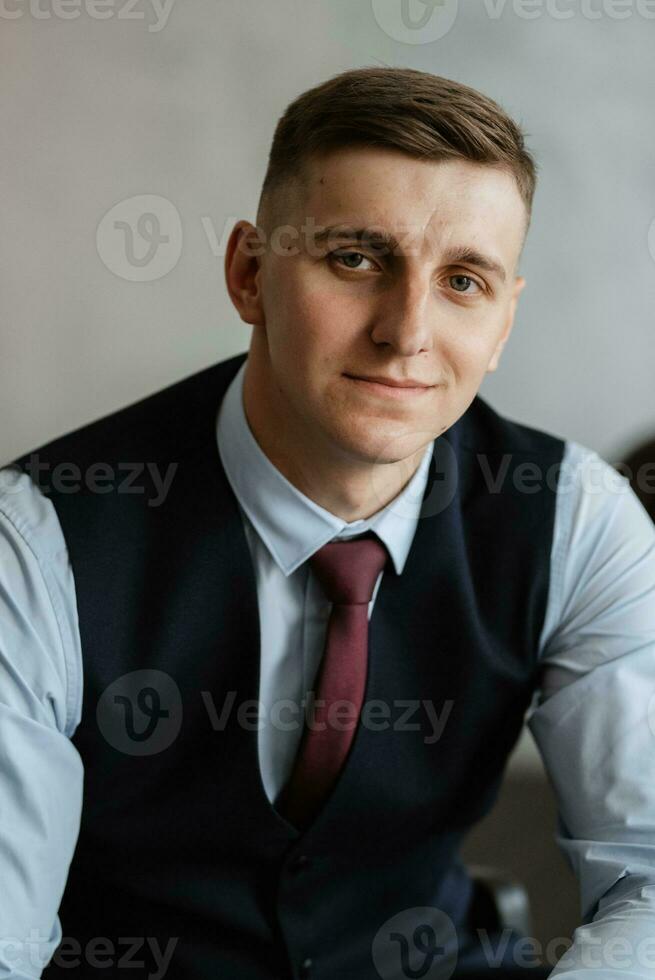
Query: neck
[{"x": 350, "y": 489}]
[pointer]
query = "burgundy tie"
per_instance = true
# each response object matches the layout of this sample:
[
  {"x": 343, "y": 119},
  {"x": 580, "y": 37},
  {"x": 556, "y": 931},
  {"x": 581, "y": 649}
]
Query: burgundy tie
[{"x": 347, "y": 572}]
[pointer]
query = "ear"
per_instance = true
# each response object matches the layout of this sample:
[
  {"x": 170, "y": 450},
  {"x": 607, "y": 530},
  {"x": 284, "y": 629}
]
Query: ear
[
  {"x": 517, "y": 289},
  {"x": 242, "y": 272}
]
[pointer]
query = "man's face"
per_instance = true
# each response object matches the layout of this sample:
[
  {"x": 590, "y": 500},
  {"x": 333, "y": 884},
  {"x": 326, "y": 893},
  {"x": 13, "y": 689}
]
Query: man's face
[{"x": 435, "y": 308}]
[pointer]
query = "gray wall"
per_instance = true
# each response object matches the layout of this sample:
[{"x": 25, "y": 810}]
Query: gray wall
[
  {"x": 181, "y": 104},
  {"x": 94, "y": 112}
]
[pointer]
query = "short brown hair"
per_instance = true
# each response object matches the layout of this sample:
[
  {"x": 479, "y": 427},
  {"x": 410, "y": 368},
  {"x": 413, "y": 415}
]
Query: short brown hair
[{"x": 421, "y": 114}]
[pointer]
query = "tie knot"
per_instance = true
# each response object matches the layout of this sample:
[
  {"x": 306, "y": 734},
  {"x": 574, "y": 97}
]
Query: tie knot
[{"x": 348, "y": 570}]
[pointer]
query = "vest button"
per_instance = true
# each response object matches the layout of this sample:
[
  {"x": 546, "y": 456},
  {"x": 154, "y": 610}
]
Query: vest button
[
  {"x": 305, "y": 969},
  {"x": 299, "y": 863}
]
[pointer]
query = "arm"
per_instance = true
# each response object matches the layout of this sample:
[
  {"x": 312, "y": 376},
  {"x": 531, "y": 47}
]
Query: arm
[
  {"x": 41, "y": 773},
  {"x": 595, "y": 723}
]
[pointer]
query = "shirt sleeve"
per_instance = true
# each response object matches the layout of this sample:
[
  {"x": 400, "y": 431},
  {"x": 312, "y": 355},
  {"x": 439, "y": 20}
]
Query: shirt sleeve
[
  {"x": 41, "y": 772},
  {"x": 594, "y": 723}
]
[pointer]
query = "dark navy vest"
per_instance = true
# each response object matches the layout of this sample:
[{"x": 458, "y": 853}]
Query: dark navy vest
[{"x": 179, "y": 843}]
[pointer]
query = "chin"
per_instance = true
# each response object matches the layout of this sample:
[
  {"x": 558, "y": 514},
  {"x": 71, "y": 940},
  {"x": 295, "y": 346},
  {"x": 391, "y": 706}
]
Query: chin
[
  {"x": 375, "y": 440},
  {"x": 384, "y": 452}
]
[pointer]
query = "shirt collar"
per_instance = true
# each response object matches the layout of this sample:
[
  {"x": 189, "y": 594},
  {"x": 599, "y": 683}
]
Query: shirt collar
[{"x": 291, "y": 525}]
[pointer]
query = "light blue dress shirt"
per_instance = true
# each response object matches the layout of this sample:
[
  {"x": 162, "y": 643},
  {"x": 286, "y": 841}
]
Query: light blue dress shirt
[{"x": 592, "y": 717}]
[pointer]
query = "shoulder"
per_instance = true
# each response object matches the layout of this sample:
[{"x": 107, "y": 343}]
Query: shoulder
[
  {"x": 39, "y": 638},
  {"x": 603, "y": 555},
  {"x": 596, "y": 501}
]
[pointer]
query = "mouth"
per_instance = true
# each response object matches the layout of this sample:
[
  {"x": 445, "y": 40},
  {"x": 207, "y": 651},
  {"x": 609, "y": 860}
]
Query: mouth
[{"x": 386, "y": 390}]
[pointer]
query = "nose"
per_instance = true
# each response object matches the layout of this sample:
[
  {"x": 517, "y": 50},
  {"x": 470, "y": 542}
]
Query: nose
[{"x": 405, "y": 319}]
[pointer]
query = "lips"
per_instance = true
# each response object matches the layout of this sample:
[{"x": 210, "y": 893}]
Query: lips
[
  {"x": 391, "y": 382},
  {"x": 385, "y": 390}
]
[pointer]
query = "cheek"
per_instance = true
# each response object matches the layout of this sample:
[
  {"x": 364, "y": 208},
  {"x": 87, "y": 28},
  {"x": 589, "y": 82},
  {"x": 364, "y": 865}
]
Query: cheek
[
  {"x": 469, "y": 337},
  {"x": 319, "y": 319}
]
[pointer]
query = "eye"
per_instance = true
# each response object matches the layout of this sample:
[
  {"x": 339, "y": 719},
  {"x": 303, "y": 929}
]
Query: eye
[
  {"x": 346, "y": 256},
  {"x": 461, "y": 283}
]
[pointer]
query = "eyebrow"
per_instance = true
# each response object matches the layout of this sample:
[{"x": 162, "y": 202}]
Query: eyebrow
[{"x": 376, "y": 238}]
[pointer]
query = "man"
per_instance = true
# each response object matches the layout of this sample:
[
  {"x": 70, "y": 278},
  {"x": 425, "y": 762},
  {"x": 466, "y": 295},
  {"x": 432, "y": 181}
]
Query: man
[{"x": 274, "y": 699}]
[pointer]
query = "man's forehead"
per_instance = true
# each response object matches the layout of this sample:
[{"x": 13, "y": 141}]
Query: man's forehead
[
  {"x": 366, "y": 175},
  {"x": 446, "y": 203}
]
